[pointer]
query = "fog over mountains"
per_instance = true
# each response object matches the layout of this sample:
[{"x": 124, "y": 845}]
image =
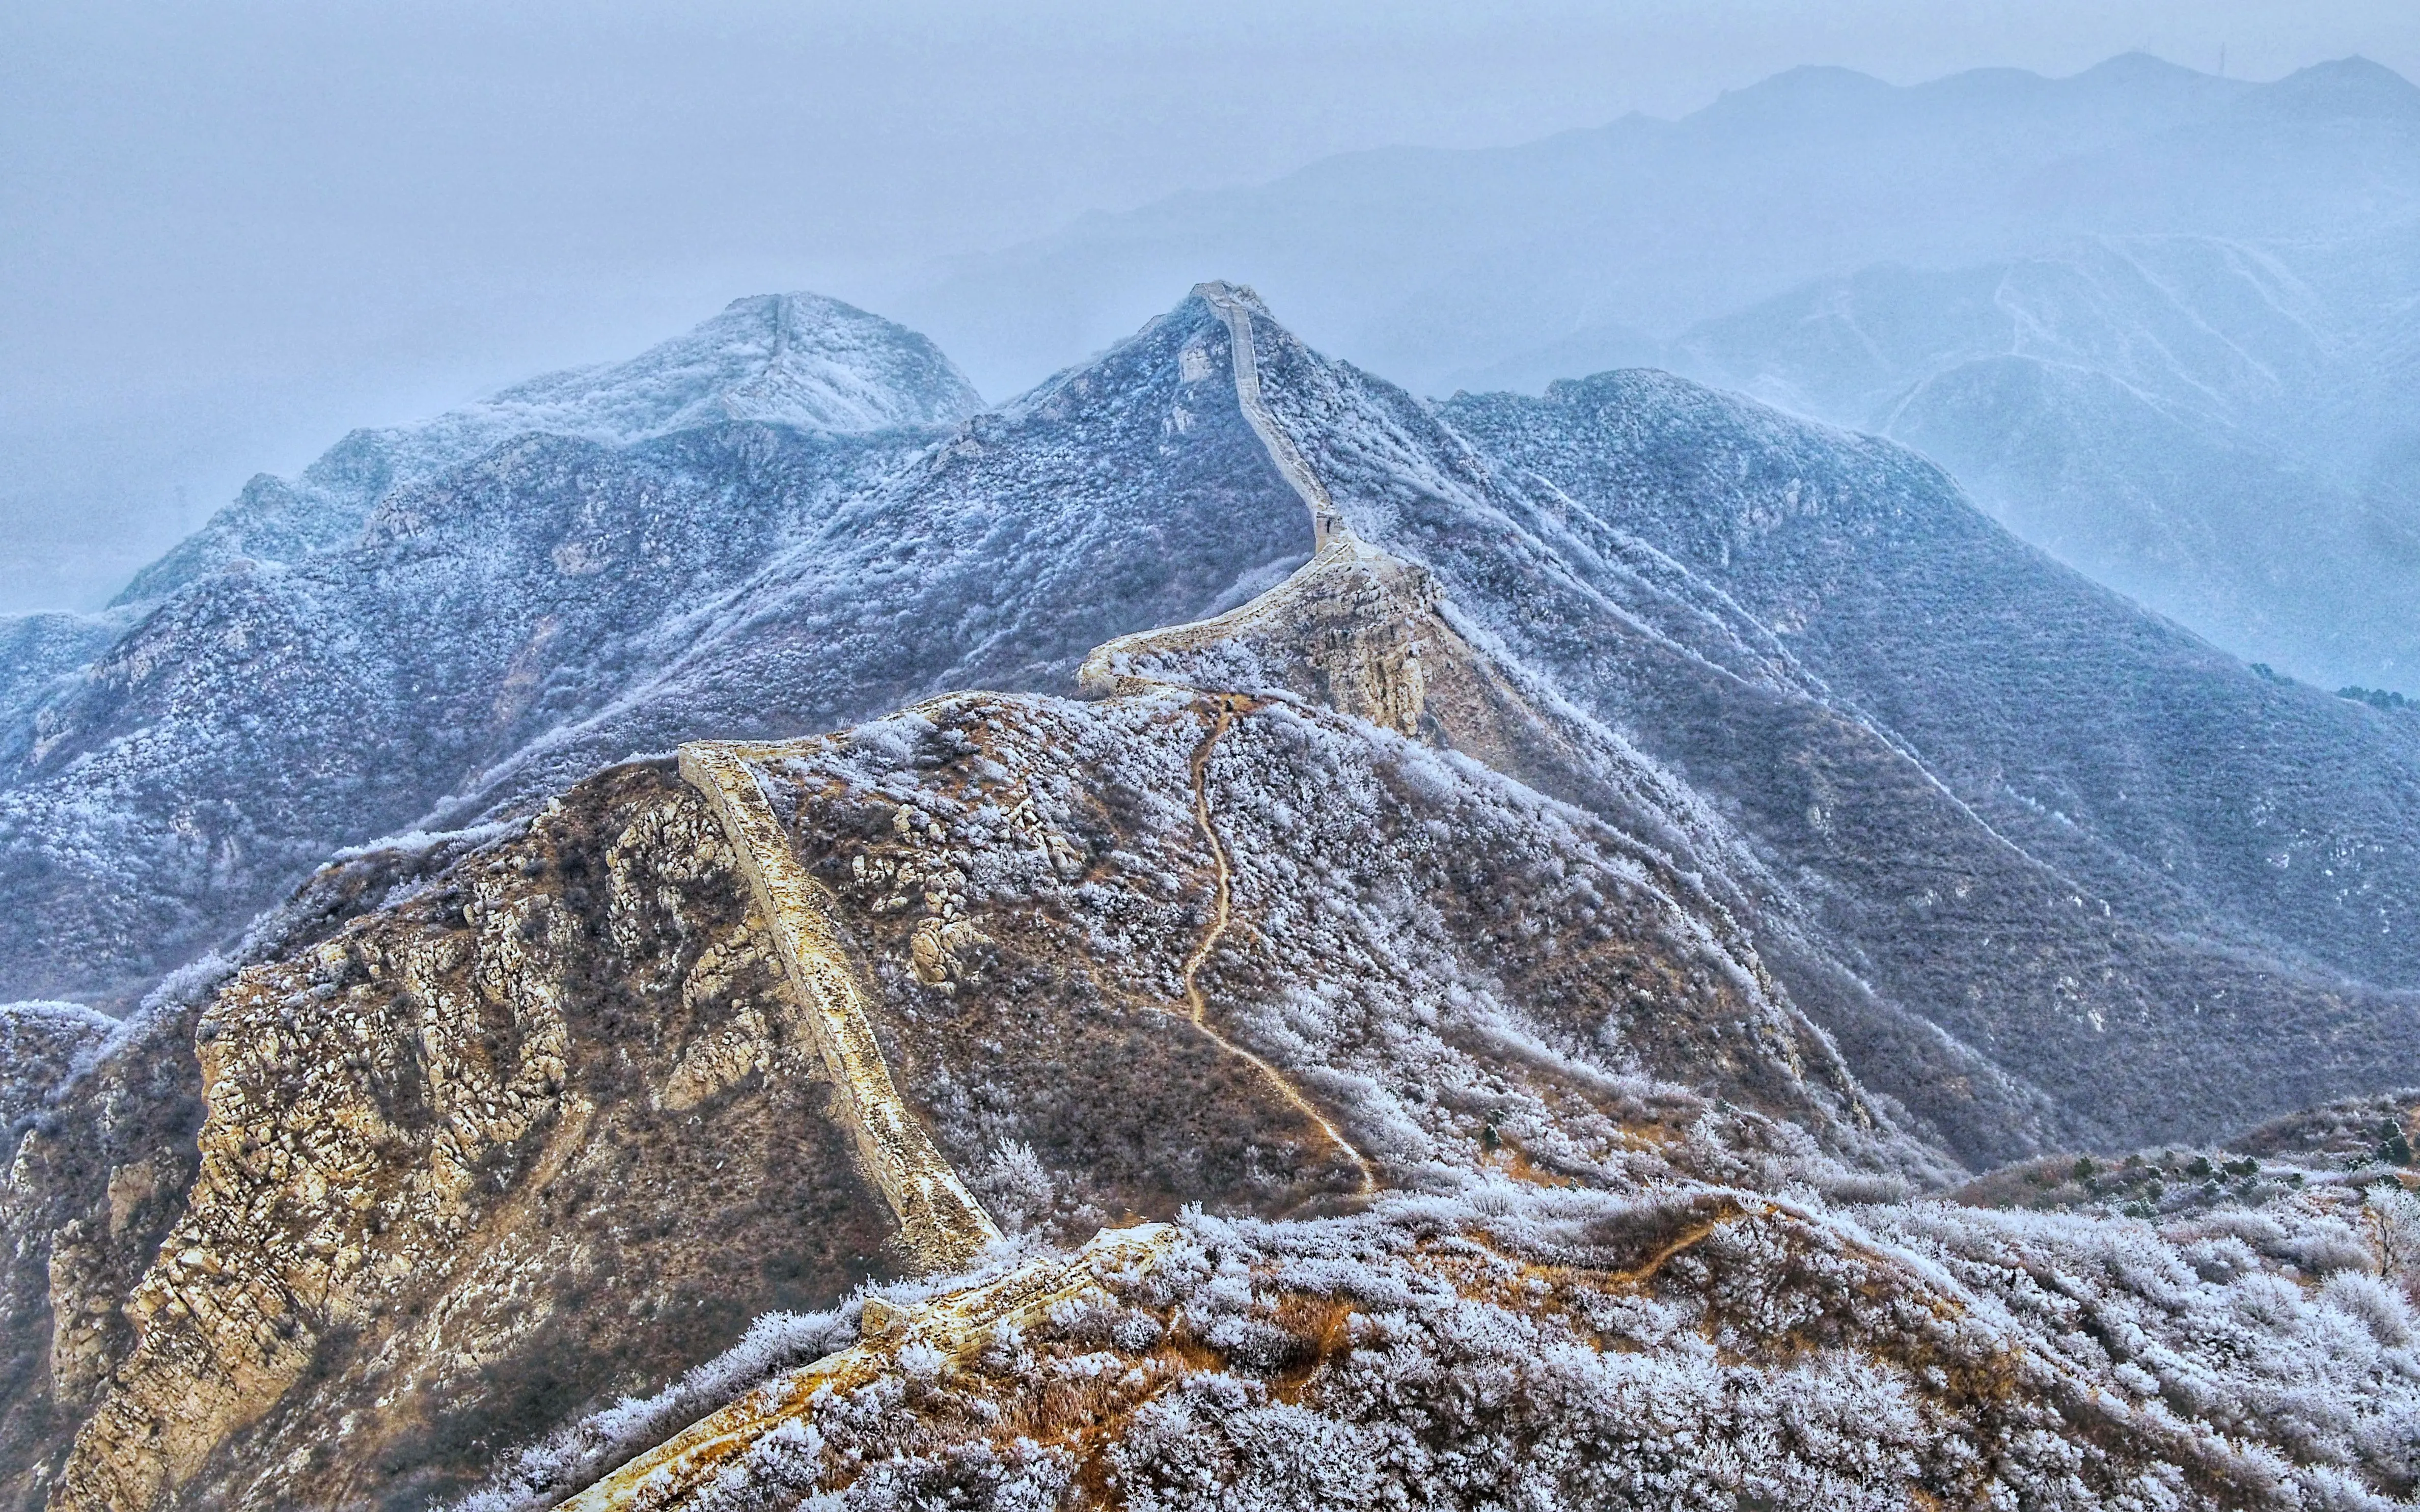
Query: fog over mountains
[
  {"x": 1633, "y": 808},
  {"x": 2160, "y": 323},
  {"x": 437, "y": 625}
]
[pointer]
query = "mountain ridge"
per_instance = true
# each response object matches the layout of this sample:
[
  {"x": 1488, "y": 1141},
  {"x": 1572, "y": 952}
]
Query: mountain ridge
[
  {"x": 1110, "y": 501},
  {"x": 1646, "y": 243}
]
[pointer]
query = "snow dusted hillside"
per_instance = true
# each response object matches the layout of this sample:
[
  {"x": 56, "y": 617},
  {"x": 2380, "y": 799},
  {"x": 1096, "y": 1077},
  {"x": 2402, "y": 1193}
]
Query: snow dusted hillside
[
  {"x": 495, "y": 631},
  {"x": 38, "y": 651},
  {"x": 2009, "y": 766},
  {"x": 784, "y": 359},
  {"x": 2051, "y": 870}
]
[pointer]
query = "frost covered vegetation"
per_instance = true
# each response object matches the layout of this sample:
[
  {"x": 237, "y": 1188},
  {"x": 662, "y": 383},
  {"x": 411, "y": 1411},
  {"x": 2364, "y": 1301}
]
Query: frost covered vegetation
[
  {"x": 1609, "y": 1291},
  {"x": 1895, "y": 742},
  {"x": 1568, "y": 1085},
  {"x": 1688, "y": 1346},
  {"x": 489, "y": 633}
]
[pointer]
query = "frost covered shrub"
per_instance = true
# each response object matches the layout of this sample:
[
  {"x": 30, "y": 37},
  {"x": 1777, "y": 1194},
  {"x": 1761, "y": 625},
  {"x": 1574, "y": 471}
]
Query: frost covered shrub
[
  {"x": 41, "y": 1043},
  {"x": 1016, "y": 1186},
  {"x": 2380, "y": 1307},
  {"x": 2394, "y": 1218},
  {"x": 576, "y": 1454},
  {"x": 1588, "y": 1286},
  {"x": 2331, "y": 1246},
  {"x": 1021, "y": 1476}
]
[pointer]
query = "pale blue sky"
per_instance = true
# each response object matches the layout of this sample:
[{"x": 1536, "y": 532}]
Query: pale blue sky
[{"x": 230, "y": 232}]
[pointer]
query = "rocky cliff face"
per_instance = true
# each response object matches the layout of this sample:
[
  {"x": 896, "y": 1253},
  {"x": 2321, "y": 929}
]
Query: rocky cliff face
[
  {"x": 458, "y": 1159},
  {"x": 1452, "y": 990}
]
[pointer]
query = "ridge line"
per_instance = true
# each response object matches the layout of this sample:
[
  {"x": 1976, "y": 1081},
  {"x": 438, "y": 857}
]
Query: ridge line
[
  {"x": 941, "y": 1223},
  {"x": 1332, "y": 540},
  {"x": 1230, "y": 302},
  {"x": 959, "y": 1324}
]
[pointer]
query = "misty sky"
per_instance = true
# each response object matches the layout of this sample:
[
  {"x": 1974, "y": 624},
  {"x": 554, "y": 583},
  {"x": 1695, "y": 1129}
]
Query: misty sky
[{"x": 228, "y": 233}]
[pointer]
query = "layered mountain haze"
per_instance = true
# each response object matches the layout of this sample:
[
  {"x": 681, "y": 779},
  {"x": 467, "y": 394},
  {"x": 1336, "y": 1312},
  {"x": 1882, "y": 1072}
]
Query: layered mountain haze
[
  {"x": 2158, "y": 323},
  {"x": 1651, "y": 226},
  {"x": 2219, "y": 428},
  {"x": 2204, "y": 403},
  {"x": 1216, "y": 935}
]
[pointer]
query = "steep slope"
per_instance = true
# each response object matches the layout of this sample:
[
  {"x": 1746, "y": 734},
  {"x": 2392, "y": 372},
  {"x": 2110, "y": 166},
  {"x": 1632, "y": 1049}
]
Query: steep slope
[
  {"x": 38, "y": 652},
  {"x": 2155, "y": 769},
  {"x": 268, "y": 715},
  {"x": 2181, "y": 874},
  {"x": 556, "y": 605},
  {"x": 1126, "y": 494},
  {"x": 784, "y": 359},
  {"x": 462, "y": 1159},
  {"x": 2148, "y": 410}
]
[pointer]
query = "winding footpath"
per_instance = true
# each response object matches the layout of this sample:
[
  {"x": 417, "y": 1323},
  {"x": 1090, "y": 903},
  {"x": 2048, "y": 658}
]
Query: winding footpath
[
  {"x": 942, "y": 1222},
  {"x": 1197, "y": 1003},
  {"x": 1332, "y": 540}
]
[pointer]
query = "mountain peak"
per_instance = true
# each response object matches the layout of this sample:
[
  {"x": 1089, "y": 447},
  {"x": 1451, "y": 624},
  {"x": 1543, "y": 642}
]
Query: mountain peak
[
  {"x": 1795, "y": 91},
  {"x": 1217, "y": 291},
  {"x": 798, "y": 359},
  {"x": 2345, "y": 86},
  {"x": 792, "y": 358},
  {"x": 2138, "y": 66}
]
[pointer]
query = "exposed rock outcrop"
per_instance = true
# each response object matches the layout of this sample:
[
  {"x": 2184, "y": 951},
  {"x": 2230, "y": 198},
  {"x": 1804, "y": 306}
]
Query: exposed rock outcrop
[
  {"x": 456, "y": 1156},
  {"x": 1406, "y": 1046}
]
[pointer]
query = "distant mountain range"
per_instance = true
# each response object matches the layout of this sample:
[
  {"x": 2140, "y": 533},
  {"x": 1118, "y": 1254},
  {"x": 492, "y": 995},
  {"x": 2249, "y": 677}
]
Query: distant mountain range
[{"x": 2163, "y": 325}]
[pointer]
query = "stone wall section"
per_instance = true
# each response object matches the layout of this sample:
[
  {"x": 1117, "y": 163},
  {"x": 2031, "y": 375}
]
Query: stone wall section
[{"x": 940, "y": 1222}]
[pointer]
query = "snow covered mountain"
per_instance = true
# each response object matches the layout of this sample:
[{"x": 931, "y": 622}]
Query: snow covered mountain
[
  {"x": 38, "y": 651},
  {"x": 435, "y": 615},
  {"x": 783, "y": 359},
  {"x": 1491, "y": 995}
]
